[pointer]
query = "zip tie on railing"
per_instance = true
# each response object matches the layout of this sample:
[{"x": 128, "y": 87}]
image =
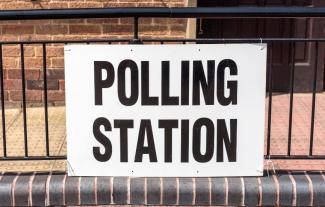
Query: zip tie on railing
[
  {"x": 47, "y": 189},
  {"x": 64, "y": 139},
  {"x": 262, "y": 46},
  {"x": 269, "y": 161},
  {"x": 70, "y": 169}
]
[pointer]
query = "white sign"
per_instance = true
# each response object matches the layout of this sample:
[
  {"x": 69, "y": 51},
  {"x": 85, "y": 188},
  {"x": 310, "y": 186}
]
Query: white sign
[{"x": 165, "y": 110}]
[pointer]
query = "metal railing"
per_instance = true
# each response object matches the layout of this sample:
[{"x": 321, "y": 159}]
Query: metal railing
[{"x": 136, "y": 13}]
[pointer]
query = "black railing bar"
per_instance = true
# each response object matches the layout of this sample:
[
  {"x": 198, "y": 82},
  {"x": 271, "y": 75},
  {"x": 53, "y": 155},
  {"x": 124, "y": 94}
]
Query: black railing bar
[
  {"x": 269, "y": 117},
  {"x": 33, "y": 158},
  {"x": 167, "y": 12},
  {"x": 295, "y": 157},
  {"x": 3, "y": 114},
  {"x": 279, "y": 157},
  {"x": 311, "y": 144},
  {"x": 209, "y": 40},
  {"x": 65, "y": 41},
  {"x": 46, "y": 119},
  {"x": 236, "y": 40},
  {"x": 136, "y": 28},
  {"x": 292, "y": 83},
  {"x": 23, "y": 86}
]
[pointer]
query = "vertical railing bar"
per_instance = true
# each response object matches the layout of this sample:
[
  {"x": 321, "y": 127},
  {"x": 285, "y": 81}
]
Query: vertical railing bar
[
  {"x": 4, "y": 140},
  {"x": 268, "y": 146},
  {"x": 136, "y": 28},
  {"x": 292, "y": 83},
  {"x": 46, "y": 119},
  {"x": 311, "y": 144},
  {"x": 24, "y": 97}
]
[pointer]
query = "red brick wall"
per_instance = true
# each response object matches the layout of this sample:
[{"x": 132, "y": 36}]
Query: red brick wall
[{"x": 68, "y": 30}]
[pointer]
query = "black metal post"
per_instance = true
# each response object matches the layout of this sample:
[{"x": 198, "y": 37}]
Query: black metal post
[
  {"x": 292, "y": 83},
  {"x": 312, "y": 126},
  {"x": 23, "y": 85},
  {"x": 3, "y": 106},
  {"x": 269, "y": 118},
  {"x": 46, "y": 121}
]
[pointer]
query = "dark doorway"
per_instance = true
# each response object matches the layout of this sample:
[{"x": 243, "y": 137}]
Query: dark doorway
[{"x": 274, "y": 28}]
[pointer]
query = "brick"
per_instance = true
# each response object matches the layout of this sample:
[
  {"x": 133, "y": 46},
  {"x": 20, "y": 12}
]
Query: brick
[
  {"x": 30, "y": 95},
  {"x": 14, "y": 51},
  {"x": 54, "y": 74},
  {"x": 127, "y": 20},
  {"x": 5, "y": 189},
  {"x": 51, "y": 29},
  {"x": 57, "y": 63},
  {"x": 72, "y": 191},
  {"x": 234, "y": 192},
  {"x": 218, "y": 193},
  {"x": 10, "y": 63},
  {"x": 285, "y": 190},
  {"x": 5, "y": 95},
  {"x": 34, "y": 63},
  {"x": 68, "y": 21},
  {"x": 55, "y": 51},
  {"x": 85, "y": 4},
  {"x": 318, "y": 188},
  {"x": 22, "y": 189},
  {"x": 150, "y": 4},
  {"x": 103, "y": 190},
  {"x": 17, "y": 29},
  {"x": 137, "y": 191},
  {"x": 178, "y": 30},
  {"x": 117, "y": 29},
  {"x": 303, "y": 194},
  {"x": 4, "y": 74},
  {"x": 145, "y": 21},
  {"x": 61, "y": 84},
  {"x": 13, "y": 84},
  {"x": 87, "y": 193},
  {"x": 16, "y": 5},
  {"x": 29, "y": 74},
  {"x": 53, "y": 5},
  {"x": 56, "y": 190},
  {"x": 84, "y": 29},
  {"x": 120, "y": 4},
  {"x": 103, "y": 21},
  {"x": 56, "y": 95},
  {"x": 202, "y": 196},
  {"x": 153, "y": 191},
  {"x": 39, "y": 189},
  {"x": 29, "y": 51},
  {"x": 120, "y": 190},
  {"x": 185, "y": 191},
  {"x": 268, "y": 191},
  {"x": 163, "y": 21},
  {"x": 39, "y": 84},
  {"x": 169, "y": 191},
  {"x": 161, "y": 29},
  {"x": 10, "y": 51},
  {"x": 178, "y": 21},
  {"x": 251, "y": 191}
]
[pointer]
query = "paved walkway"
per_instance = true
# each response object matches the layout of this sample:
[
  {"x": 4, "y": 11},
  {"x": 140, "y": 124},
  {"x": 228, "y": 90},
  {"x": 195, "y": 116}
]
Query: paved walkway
[{"x": 279, "y": 133}]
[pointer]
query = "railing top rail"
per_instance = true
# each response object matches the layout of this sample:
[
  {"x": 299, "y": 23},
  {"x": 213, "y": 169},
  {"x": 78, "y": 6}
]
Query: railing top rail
[
  {"x": 198, "y": 40},
  {"x": 176, "y": 12}
]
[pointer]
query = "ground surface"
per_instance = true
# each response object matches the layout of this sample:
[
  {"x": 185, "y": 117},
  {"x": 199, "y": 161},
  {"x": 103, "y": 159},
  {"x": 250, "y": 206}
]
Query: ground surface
[{"x": 301, "y": 123}]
